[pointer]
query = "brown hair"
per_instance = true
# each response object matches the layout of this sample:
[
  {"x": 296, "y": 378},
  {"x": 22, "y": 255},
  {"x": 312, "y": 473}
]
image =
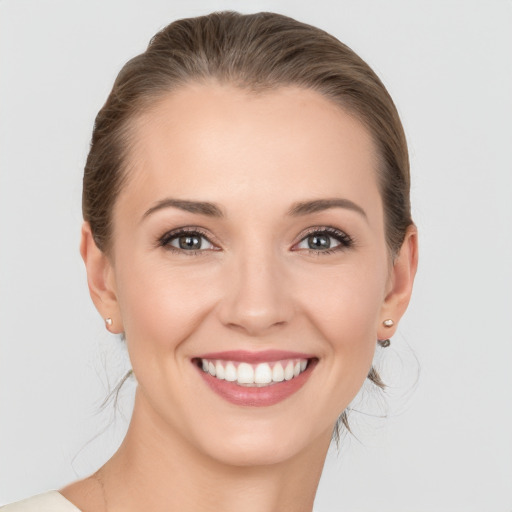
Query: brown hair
[{"x": 257, "y": 52}]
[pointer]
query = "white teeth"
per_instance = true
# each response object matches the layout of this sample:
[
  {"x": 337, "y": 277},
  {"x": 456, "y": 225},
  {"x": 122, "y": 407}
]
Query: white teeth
[
  {"x": 245, "y": 374},
  {"x": 262, "y": 374},
  {"x": 231, "y": 373},
  {"x": 278, "y": 373},
  {"x": 219, "y": 371},
  {"x": 288, "y": 371}
]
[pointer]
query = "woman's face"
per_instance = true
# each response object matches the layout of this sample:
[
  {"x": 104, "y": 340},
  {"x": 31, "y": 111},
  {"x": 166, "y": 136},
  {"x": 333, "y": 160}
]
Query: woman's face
[{"x": 249, "y": 241}]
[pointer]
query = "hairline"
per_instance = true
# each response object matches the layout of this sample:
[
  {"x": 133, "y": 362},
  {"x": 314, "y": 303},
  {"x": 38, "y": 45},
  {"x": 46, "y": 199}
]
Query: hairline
[{"x": 151, "y": 102}]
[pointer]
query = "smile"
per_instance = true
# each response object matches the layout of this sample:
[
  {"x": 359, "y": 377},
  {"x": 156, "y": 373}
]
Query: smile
[
  {"x": 255, "y": 379},
  {"x": 254, "y": 375}
]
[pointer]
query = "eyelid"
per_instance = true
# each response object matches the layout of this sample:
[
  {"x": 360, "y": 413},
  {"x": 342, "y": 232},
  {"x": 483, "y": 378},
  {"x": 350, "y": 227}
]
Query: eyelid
[
  {"x": 165, "y": 239},
  {"x": 345, "y": 240}
]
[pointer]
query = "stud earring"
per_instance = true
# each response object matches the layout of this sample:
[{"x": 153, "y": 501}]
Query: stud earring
[
  {"x": 386, "y": 323},
  {"x": 108, "y": 322}
]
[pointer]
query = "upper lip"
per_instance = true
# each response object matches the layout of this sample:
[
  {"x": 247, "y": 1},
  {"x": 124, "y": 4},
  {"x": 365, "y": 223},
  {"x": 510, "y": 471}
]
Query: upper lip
[{"x": 255, "y": 357}]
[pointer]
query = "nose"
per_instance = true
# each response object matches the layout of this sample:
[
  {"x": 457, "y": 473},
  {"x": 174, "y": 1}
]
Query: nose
[{"x": 257, "y": 298}]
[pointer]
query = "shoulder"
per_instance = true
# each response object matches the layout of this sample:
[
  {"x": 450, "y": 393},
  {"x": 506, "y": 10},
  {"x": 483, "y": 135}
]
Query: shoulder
[{"x": 51, "y": 501}]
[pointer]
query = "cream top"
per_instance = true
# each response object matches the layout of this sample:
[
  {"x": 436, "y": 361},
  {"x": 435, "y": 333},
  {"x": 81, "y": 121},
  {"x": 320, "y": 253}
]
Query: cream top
[{"x": 51, "y": 501}]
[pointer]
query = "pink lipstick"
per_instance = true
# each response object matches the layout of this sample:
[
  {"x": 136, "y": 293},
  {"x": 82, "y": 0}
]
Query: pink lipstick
[{"x": 255, "y": 379}]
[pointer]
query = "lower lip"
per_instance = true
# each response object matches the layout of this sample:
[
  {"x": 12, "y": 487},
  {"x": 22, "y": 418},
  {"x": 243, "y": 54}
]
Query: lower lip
[{"x": 254, "y": 396}]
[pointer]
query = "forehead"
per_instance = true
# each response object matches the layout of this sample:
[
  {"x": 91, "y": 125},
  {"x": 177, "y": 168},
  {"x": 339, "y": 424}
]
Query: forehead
[{"x": 222, "y": 143}]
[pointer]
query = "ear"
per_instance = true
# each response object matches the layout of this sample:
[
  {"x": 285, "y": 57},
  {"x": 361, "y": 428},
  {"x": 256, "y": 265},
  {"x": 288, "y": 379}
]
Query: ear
[
  {"x": 400, "y": 284},
  {"x": 101, "y": 280}
]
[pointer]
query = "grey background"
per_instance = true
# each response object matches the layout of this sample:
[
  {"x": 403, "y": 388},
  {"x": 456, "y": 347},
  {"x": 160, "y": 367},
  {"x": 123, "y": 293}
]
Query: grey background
[{"x": 447, "y": 443}]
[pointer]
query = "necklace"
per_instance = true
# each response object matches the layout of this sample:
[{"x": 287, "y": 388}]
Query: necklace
[{"x": 97, "y": 476}]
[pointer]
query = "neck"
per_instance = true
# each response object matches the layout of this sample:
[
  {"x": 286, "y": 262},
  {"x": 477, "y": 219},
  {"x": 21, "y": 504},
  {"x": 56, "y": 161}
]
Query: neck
[{"x": 157, "y": 469}]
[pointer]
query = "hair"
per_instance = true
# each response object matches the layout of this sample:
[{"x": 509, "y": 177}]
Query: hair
[{"x": 257, "y": 52}]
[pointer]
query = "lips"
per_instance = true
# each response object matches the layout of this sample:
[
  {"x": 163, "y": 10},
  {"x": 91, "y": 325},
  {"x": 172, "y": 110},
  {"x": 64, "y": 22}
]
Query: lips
[
  {"x": 261, "y": 374},
  {"x": 255, "y": 378}
]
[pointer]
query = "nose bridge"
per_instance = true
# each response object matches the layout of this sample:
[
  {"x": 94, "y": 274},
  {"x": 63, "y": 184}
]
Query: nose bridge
[{"x": 256, "y": 297}]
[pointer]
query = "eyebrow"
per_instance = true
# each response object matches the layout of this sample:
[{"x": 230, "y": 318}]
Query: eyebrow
[
  {"x": 318, "y": 205},
  {"x": 297, "y": 209},
  {"x": 199, "y": 207}
]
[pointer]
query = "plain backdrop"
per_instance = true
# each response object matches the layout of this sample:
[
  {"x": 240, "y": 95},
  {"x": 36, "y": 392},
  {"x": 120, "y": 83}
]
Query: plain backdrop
[{"x": 446, "y": 444}]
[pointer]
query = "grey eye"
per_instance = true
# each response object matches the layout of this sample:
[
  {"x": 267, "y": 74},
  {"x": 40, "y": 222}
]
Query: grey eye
[
  {"x": 190, "y": 242},
  {"x": 318, "y": 241}
]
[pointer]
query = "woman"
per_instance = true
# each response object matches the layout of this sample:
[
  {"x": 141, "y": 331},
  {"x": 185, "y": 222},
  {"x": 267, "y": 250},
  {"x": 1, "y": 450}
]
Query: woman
[{"x": 247, "y": 229}]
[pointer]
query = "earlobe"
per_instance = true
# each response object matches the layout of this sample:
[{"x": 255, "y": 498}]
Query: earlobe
[
  {"x": 100, "y": 279},
  {"x": 401, "y": 279}
]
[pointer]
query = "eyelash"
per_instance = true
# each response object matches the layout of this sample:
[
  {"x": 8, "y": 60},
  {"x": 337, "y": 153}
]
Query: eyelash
[
  {"x": 345, "y": 241},
  {"x": 164, "y": 241}
]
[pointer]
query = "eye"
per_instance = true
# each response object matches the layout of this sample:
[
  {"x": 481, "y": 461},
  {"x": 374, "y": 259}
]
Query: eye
[
  {"x": 186, "y": 241},
  {"x": 325, "y": 241}
]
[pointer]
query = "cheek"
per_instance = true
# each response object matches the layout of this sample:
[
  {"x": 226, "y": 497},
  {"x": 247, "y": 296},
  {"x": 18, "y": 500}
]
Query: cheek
[
  {"x": 346, "y": 302},
  {"x": 161, "y": 304},
  {"x": 346, "y": 312}
]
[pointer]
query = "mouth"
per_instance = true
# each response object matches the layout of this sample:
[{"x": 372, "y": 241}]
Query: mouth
[
  {"x": 255, "y": 379},
  {"x": 254, "y": 375}
]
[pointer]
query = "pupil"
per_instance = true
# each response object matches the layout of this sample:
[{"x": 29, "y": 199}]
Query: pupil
[
  {"x": 190, "y": 242},
  {"x": 319, "y": 242}
]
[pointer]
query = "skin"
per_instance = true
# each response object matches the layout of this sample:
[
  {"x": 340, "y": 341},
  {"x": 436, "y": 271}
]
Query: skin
[{"x": 255, "y": 285}]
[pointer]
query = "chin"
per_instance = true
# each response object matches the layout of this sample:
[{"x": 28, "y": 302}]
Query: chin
[
  {"x": 256, "y": 451},
  {"x": 263, "y": 444}
]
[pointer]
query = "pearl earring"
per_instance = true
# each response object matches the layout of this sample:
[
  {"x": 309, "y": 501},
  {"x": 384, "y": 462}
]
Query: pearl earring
[
  {"x": 386, "y": 323},
  {"x": 108, "y": 322}
]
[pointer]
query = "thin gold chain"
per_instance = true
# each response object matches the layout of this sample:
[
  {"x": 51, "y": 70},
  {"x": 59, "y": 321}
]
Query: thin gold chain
[{"x": 99, "y": 479}]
